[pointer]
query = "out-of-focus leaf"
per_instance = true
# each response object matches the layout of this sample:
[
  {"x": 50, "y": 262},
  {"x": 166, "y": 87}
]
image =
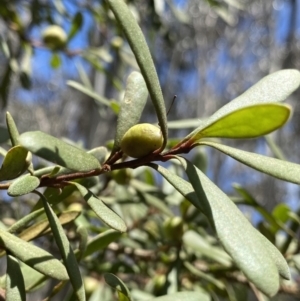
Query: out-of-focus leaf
[
  {"x": 58, "y": 151},
  {"x": 55, "y": 60},
  {"x": 185, "y": 123},
  {"x": 275, "y": 87},
  {"x": 274, "y": 148},
  {"x": 83, "y": 239},
  {"x": 198, "y": 244},
  {"x": 283, "y": 170},
  {"x": 15, "y": 288},
  {"x": 87, "y": 91},
  {"x": 14, "y": 163},
  {"x": 249, "y": 200},
  {"x": 247, "y": 122},
  {"x": 76, "y": 25},
  {"x": 142, "y": 54},
  {"x": 42, "y": 227},
  {"x": 116, "y": 283},
  {"x": 131, "y": 107},
  {"x": 35, "y": 257},
  {"x": 25, "y": 72},
  {"x": 99, "y": 153},
  {"x": 12, "y": 129},
  {"x": 4, "y": 135},
  {"x": 157, "y": 203},
  {"x": 101, "y": 241},
  {"x": 5, "y": 85},
  {"x": 205, "y": 276},
  {"x": 184, "y": 296},
  {"x": 108, "y": 216},
  {"x": 23, "y": 185},
  {"x": 66, "y": 251}
]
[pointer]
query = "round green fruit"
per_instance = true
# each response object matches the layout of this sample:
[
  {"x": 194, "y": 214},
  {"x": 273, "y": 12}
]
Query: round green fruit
[
  {"x": 54, "y": 37},
  {"x": 141, "y": 140}
]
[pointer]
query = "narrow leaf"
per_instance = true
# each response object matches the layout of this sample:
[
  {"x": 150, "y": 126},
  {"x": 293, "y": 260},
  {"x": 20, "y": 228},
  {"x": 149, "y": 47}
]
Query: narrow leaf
[
  {"x": 58, "y": 151},
  {"x": 101, "y": 241},
  {"x": 35, "y": 257},
  {"x": 116, "y": 283},
  {"x": 23, "y": 185},
  {"x": 142, "y": 54},
  {"x": 66, "y": 251},
  {"x": 12, "y": 129},
  {"x": 245, "y": 244},
  {"x": 15, "y": 287},
  {"x": 248, "y": 122},
  {"x": 198, "y": 244},
  {"x": 131, "y": 107},
  {"x": 14, "y": 163},
  {"x": 89, "y": 92},
  {"x": 76, "y": 25},
  {"x": 103, "y": 212},
  {"x": 42, "y": 227},
  {"x": 283, "y": 170}
]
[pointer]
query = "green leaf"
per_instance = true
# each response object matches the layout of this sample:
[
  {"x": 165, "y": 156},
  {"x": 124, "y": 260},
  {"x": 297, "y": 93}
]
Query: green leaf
[
  {"x": 251, "y": 251},
  {"x": 283, "y": 170},
  {"x": 12, "y": 129},
  {"x": 42, "y": 227},
  {"x": 248, "y": 122},
  {"x": 23, "y": 185},
  {"x": 58, "y": 151},
  {"x": 275, "y": 87},
  {"x": 35, "y": 257},
  {"x": 25, "y": 220},
  {"x": 204, "y": 275},
  {"x": 55, "y": 60},
  {"x": 103, "y": 212},
  {"x": 89, "y": 92},
  {"x": 100, "y": 153},
  {"x": 251, "y": 201},
  {"x": 254, "y": 254},
  {"x": 101, "y": 241},
  {"x": 184, "y": 296},
  {"x": 5, "y": 84},
  {"x": 196, "y": 243},
  {"x": 66, "y": 251},
  {"x": 76, "y": 25},
  {"x": 116, "y": 283},
  {"x": 14, "y": 163},
  {"x": 15, "y": 287},
  {"x": 132, "y": 106},
  {"x": 142, "y": 54},
  {"x": 83, "y": 240}
]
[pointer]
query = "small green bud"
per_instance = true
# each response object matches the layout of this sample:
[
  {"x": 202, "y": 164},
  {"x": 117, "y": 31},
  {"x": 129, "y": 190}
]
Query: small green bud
[
  {"x": 54, "y": 37},
  {"x": 141, "y": 140}
]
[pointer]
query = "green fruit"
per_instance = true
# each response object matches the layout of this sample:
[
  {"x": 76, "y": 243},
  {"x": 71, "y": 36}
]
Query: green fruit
[
  {"x": 173, "y": 228},
  {"x": 54, "y": 37},
  {"x": 141, "y": 140},
  {"x": 122, "y": 176}
]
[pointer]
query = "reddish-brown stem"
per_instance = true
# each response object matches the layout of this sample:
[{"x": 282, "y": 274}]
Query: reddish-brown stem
[{"x": 62, "y": 180}]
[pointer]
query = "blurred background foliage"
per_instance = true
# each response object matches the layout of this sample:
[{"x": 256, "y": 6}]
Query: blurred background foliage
[{"x": 206, "y": 52}]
